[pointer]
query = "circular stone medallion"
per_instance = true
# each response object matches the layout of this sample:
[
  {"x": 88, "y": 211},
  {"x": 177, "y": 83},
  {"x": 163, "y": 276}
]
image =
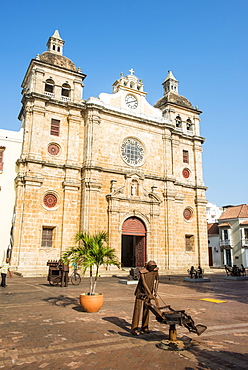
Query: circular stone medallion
[
  {"x": 53, "y": 149},
  {"x": 187, "y": 214},
  {"x": 186, "y": 173},
  {"x": 50, "y": 200}
]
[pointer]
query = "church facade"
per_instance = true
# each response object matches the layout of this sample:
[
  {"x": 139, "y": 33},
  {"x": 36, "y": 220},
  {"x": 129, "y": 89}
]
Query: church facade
[{"x": 113, "y": 163}]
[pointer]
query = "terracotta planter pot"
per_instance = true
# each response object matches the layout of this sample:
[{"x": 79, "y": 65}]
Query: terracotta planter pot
[{"x": 91, "y": 303}]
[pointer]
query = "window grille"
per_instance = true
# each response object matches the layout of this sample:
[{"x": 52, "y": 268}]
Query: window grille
[
  {"x": 47, "y": 237},
  {"x": 55, "y": 127},
  {"x": 189, "y": 243},
  {"x": 185, "y": 156}
]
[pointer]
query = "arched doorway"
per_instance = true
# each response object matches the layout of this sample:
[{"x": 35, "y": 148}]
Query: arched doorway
[{"x": 133, "y": 246}]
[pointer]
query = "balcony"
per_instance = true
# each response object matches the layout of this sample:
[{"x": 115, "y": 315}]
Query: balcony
[
  {"x": 179, "y": 128},
  {"x": 51, "y": 95},
  {"x": 65, "y": 98},
  {"x": 225, "y": 243},
  {"x": 244, "y": 243},
  {"x": 190, "y": 132}
]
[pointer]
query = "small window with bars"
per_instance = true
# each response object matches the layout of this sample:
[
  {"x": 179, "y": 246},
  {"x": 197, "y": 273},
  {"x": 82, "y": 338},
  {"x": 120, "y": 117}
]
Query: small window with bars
[
  {"x": 47, "y": 237},
  {"x": 189, "y": 243},
  {"x": 55, "y": 127},
  {"x": 185, "y": 156},
  {"x": 2, "y": 149}
]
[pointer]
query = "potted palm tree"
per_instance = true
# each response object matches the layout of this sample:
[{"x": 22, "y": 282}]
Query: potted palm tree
[{"x": 91, "y": 252}]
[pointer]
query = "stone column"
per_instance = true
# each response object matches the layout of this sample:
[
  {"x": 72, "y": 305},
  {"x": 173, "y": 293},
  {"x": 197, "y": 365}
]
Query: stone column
[
  {"x": 155, "y": 251},
  {"x": 74, "y": 146},
  {"x": 202, "y": 236},
  {"x": 71, "y": 210},
  {"x": 90, "y": 204},
  {"x": 27, "y": 224},
  {"x": 170, "y": 222}
]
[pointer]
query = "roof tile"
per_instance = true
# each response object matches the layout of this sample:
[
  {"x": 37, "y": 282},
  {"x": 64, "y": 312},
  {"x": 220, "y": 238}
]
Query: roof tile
[
  {"x": 240, "y": 211},
  {"x": 213, "y": 229}
]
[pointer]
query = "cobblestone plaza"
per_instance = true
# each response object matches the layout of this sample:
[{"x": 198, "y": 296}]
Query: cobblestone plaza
[{"x": 43, "y": 327}]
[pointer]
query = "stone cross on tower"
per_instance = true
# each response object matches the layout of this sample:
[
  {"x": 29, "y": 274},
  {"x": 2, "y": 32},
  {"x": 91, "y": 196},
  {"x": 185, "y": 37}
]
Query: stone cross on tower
[{"x": 131, "y": 71}]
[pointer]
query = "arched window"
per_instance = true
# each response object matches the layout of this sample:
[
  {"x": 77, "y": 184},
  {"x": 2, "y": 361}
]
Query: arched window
[
  {"x": 49, "y": 87},
  {"x": 65, "y": 92},
  {"x": 178, "y": 122},
  {"x": 189, "y": 125}
]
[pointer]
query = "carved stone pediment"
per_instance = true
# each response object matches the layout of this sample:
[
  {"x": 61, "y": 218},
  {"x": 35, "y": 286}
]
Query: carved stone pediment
[
  {"x": 135, "y": 175},
  {"x": 118, "y": 191},
  {"x": 133, "y": 191},
  {"x": 154, "y": 197}
]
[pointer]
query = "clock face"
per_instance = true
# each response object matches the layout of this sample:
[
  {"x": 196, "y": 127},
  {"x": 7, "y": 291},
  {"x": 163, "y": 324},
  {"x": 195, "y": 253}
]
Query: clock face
[
  {"x": 132, "y": 152},
  {"x": 131, "y": 101}
]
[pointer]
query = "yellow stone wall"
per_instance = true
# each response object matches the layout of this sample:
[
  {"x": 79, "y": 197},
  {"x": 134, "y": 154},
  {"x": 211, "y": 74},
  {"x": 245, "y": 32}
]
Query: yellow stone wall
[{"x": 93, "y": 184}]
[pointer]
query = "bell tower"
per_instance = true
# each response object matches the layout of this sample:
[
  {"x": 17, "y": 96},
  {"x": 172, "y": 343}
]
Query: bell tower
[
  {"x": 49, "y": 169},
  {"x": 55, "y": 43},
  {"x": 170, "y": 84}
]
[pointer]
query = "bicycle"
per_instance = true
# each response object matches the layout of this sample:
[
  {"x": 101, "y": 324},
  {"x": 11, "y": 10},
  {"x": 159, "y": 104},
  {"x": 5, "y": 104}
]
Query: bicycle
[{"x": 75, "y": 277}]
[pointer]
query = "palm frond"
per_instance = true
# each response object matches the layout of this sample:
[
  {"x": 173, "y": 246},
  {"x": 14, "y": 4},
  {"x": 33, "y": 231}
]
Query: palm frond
[{"x": 91, "y": 250}]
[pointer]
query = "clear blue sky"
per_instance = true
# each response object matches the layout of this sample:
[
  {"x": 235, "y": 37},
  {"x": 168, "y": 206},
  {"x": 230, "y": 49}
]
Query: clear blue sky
[{"x": 203, "y": 42}]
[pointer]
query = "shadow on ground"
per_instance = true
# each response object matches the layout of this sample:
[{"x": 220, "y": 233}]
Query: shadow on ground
[
  {"x": 65, "y": 301},
  {"x": 125, "y": 325},
  {"x": 235, "y": 290},
  {"x": 219, "y": 359}
]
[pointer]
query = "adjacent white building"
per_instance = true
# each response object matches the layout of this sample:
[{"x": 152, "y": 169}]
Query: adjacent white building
[
  {"x": 233, "y": 226},
  {"x": 10, "y": 149},
  {"x": 227, "y": 235},
  {"x": 213, "y": 212},
  {"x": 214, "y": 251}
]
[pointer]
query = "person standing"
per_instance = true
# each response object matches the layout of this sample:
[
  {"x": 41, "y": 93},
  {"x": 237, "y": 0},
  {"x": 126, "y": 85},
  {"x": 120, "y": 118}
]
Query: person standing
[
  {"x": 4, "y": 271},
  {"x": 146, "y": 290}
]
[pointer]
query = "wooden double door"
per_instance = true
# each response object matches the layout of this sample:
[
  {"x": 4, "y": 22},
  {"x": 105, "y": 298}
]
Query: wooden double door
[{"x": 133, "y": 246}]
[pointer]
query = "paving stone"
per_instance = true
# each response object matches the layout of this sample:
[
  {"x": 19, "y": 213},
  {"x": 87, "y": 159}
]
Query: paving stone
[{"x": 41, "y": 334}]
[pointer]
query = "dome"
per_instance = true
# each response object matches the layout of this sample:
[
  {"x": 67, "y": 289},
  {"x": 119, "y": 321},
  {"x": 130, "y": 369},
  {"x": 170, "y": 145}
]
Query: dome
[
  {"x": 57, "y": 60},
  {"x": 174, "y": 99}
]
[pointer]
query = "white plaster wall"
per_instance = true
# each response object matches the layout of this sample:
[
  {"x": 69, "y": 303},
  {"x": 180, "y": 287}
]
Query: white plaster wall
[
  {"x": 12, "y": 141},
  {"x": 237, "y": 242},
  {"x": 213, "y": 212},
  {"x": 214, "y": 242}
]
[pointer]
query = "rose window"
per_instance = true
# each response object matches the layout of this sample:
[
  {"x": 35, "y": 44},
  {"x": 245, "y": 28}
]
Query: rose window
[{"x": 132, "y": 152}]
